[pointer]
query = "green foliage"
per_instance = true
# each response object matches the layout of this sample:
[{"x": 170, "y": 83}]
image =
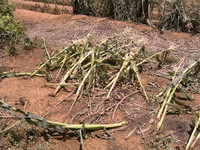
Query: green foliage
[
  {"x": 9, "y": 28},
  {"x": 11, "y": 31}
]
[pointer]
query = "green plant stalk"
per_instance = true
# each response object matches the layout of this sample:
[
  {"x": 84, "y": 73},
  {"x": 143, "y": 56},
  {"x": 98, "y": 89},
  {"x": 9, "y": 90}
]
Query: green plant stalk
[
  {"x": 166, "y": 107},
  {"x": 114, "y": 81},
  {"x": 91, "y": 76},
  {"x": 44, "y": 64},
  {"x": 182, "y": 104},
  {"x": 164, "y": 103},
  {"x": 195, "y": 140},
  {"x": 197, "y": 122},
  {"x": 43, "y": 123},
  {"x": 46, "y": 51},
  {"x": 163, "y": 92},
  {"x": 80, "y": 88},
  {"x": 63, "y": 62},
  {"x": 152, "y": 56},
  {"x": 88, "y": 126},
  {"x": 139, "y": 80},
  {"x": 7, "y": 75},
  {"x": 125, "y": 66},
  {"x": 71, "y": 70},
  {"x": 176, "y": 81},
  {"x": 184, "y": 93},
  {"x": 170, "y": 93}
]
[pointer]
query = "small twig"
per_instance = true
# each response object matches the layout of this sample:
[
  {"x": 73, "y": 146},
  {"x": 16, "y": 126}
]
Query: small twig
[
  {"x": 109, "y": 135},
  {"x": 98, "y": 112},
  {"x": 79, "y": 91},
  {"x": 140, "y": 130},
  {"x": 106, "y": 135},
  {"x": 90, "y": 103},
  {"x": 141, "y": 107},
  {"x": 81, "y": 140},
  {"x": 10, "y": 127},
  {"x": 119, "y": 129},
  {"x": 115, "y": 109},
  {"x": 128, "y": 136},
  {"x": 7, "y": 117},
  {"x": 79, "y": 113},
  {"x": 46, "y": 50},
  {"x": 69, "y": 95},
  {"x": 61, "y": 68},
  {"x": 25, "y": 104}
]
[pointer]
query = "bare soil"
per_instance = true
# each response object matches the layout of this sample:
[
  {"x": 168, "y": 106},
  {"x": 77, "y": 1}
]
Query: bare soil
[{"x": 59, "y": 31}]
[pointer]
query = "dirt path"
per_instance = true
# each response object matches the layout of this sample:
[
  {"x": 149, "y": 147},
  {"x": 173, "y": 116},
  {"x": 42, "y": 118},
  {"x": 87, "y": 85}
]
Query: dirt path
[{"x": 59, "y": 31}]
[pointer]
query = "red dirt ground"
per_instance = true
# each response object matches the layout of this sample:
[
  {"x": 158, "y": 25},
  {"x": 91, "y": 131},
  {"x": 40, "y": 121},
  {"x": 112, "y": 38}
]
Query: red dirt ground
[{"x": 59, "y": 31}]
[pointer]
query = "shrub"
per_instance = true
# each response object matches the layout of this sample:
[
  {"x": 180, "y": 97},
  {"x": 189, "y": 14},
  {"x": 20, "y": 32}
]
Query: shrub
[{"x": 11, "y": 31}]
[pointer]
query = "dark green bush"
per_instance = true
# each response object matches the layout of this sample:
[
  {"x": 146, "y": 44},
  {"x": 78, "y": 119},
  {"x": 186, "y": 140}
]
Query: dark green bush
[
  {"x": 9, "y": 27},
  {"x": 12, "y": 32}
]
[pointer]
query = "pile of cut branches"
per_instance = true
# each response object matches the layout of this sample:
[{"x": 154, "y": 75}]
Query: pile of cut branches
[
  {"x": 181, "y": 81},
  {"x": 116, "y": 61},
  {"x": 90, "y": 67},
  {"x": 184, "y": 81},
  {"x": 95, "y": 67},
  {"x": 11, "y": 31}
]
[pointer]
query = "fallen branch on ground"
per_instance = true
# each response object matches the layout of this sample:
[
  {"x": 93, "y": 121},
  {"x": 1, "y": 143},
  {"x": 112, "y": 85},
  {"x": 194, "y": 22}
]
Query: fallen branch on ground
[
  {"x": 57, "y": 126},
  {"x": 15, "y": 74}
]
